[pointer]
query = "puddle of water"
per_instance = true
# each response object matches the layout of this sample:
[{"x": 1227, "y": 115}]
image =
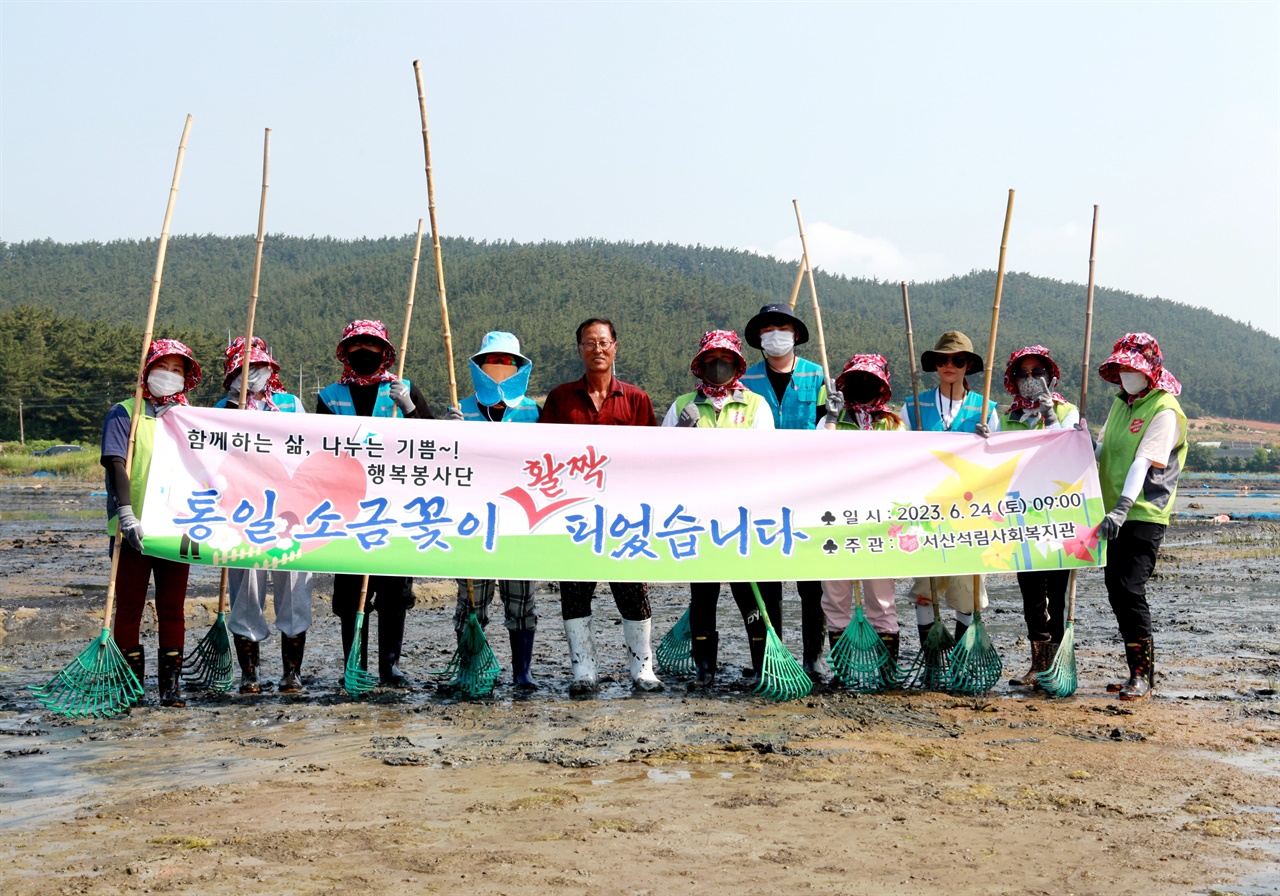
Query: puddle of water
[
  {"x": 1266, "y": 762},
  {"x": 28, "y": 515},
  {"x": 665, "y": 777}
]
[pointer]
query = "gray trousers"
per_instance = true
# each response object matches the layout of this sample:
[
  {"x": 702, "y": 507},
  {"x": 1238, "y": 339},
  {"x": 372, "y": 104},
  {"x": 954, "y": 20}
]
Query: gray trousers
[
  {"x": 518, "y": 603},
  {"x": 248, "y": 592}
]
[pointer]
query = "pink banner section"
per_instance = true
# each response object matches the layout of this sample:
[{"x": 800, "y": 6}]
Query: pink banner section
[{"x": 436, "y": 498}]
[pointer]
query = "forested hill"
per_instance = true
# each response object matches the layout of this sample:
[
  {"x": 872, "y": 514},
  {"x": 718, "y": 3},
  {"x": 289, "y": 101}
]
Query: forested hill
[{"x": 70, "y": 314}]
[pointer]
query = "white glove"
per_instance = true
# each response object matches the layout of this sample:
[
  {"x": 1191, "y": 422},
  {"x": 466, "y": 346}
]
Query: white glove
[
  {"x": 452, "y": 413},
  {"x": 400, "y": 395},
  {"x": 689, "y": 415},
  {"x": 835, "y": 400},
  {"x": 982, "y": 429},
  {"x": 130, "y": 528},
  {"x": 1112, "y": 522}
]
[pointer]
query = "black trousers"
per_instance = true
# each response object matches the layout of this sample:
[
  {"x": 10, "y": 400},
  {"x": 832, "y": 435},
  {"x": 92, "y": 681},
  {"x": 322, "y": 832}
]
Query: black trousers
[
  {"x": 632, "y": 599},
  {"x": 1044, "y": 602},
  {"x": 1131, "y": 558},
  {"x": 704, "y": 597},
  {"x": 390, "y": 596}
]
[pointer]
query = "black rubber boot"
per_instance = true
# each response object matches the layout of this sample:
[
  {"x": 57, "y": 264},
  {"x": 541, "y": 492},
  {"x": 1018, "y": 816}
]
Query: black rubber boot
[
  {"x": 171, "y": 678},
  {"x": 924, "y": 632},
  {"x": 961, "y": 628},
  {"x": 348, "y": 636},
  {"x": 833, "y": 635},
  {"x": 1141, "y": 656},
  {"x": 390, "y": 643},
  {"x": 291, "y": 651},
  {"x": 247, "y": 656},
  {"x": 892, "y": 641},
  {"x": 1041, "y": 658},
  {"x": 522, "y": 659},
  {"x": 757, "y": 644},
  {"x": 706, "y": 655},
  {"x": 136, "y": 658}
]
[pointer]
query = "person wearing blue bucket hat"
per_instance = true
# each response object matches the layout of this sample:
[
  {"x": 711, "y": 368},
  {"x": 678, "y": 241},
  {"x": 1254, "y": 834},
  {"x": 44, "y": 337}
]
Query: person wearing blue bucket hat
[{"x": 500, "y": 374}]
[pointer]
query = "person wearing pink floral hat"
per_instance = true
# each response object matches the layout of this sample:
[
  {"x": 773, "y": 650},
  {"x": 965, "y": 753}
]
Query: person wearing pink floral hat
[
  {"x": 721, "y": 402},
  {"x": 369, "y": 388},
  {"x": 169, "y": 373},
  {"x": 864, "y": 387},
  {"x": 1141, "y": 453},
  {"x": 248, "y": 587},
  {"x": 1032, "y": 377}
]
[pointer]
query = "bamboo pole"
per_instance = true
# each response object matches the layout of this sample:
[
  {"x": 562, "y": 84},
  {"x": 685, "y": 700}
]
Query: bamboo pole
[
  {"x": 435, "y": 236},
  {"x": 795, "y": 287},
  {"x": 813, "y": 291},
  {"x": 911, "y": 351},
  {"x": 408, "y": 308},
  {"x": 1088, "y": 318},
  {"x": 247, "y": 353},
  {"x": 148, "y": 331},
  {"x": 995, "y": 309}
]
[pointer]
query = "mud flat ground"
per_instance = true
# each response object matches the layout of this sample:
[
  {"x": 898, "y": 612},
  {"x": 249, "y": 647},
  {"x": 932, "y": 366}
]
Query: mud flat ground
[{"x": 408, "y": 792}]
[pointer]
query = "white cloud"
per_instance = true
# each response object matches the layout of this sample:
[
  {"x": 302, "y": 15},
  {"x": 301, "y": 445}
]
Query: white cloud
[{"x": 838, "y": 251}]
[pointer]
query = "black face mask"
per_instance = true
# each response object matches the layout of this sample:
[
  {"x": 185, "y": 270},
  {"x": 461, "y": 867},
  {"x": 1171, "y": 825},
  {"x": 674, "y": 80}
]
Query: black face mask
[
  {"x": 364, "y": 362},
  {"x": 862, "y": 390},
  {"x": 719, "y": 371}
]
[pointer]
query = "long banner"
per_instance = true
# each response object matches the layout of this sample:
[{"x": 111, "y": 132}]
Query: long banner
[{"x": 604, "y": 503}]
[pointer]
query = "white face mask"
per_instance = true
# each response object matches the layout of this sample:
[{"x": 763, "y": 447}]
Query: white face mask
[
  {"x": 777, "y": 343},
  {"x": 1133, "y": 382},
  {"x": 164, "y": 383},
  {"x": 258, "y": 378}
]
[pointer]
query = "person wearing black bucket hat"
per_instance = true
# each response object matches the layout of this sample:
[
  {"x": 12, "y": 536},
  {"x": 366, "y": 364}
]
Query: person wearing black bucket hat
[
  {"x": 793, "y": 388},
  {"x": 952, "y": 407}
]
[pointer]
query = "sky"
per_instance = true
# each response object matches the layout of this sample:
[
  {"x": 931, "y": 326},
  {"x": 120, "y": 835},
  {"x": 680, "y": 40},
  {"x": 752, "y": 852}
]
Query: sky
[{"x": 899, "y": 127}]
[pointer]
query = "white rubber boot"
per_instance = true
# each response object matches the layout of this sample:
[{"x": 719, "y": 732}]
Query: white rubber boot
[
  {"x": 582, "y": 656},
  {"x": 636, "y": 634}
]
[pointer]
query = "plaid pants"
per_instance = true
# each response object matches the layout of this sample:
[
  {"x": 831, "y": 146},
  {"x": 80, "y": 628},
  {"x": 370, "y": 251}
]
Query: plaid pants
[{"x": 518, "y": 603}]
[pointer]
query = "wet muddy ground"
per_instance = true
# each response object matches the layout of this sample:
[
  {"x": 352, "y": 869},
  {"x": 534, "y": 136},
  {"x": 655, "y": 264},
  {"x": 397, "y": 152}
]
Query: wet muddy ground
[{"x": 837, "y": 793}]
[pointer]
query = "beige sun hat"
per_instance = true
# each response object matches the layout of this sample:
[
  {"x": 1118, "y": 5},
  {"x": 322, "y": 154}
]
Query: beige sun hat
[{"x": 952, "y": 342}]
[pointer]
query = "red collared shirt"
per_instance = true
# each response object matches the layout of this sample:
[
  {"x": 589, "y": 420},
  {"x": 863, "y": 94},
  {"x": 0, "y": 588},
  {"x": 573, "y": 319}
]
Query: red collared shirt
[{"x": 625, "y": 405}]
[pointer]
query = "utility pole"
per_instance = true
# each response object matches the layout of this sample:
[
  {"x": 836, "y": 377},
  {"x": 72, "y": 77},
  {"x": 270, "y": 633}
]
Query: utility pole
[{"x": 22, "y": 432}]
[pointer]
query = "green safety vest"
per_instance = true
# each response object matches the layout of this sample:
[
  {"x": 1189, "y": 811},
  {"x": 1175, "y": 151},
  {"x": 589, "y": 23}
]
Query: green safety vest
[
  {"x": 737, "y": 413},
  {"x": 882, "y": 424},
  {"x": 1061, "y": 408},
  {"x": 143, "y": 445},
  {"x": 1120, "y": 438}
]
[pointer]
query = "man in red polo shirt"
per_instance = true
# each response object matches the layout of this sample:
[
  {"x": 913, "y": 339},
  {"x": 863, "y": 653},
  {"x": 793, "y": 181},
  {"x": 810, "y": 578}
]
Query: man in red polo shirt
[{"x": 600, "y": 398}]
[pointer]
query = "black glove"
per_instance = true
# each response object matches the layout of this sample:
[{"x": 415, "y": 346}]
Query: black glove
[{"x": 1112, "y": 522}]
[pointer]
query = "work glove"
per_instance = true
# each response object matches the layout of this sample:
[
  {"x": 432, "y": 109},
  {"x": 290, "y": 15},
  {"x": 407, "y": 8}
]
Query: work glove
[
  {"x": 835, "y": 400},
  {"x": 689, "y": 416},
  {"x": 400, "y": 395},
  {"x": 1047, "y": 412},
  {"x": 1112, "y": 522},
  {"x": 982, "y": 429},
  {"x": 452, "y": 413},
  {"x": 130, "y": 528}
]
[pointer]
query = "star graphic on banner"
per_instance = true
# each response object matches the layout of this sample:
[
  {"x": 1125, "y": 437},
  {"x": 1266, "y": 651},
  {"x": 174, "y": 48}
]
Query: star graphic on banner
[
  {"x": 1069, "y": 488},
  {"x": 971, "y": 484},
  {"x": 1080, "y": 544},
  {"x": 998, "y": 555}
]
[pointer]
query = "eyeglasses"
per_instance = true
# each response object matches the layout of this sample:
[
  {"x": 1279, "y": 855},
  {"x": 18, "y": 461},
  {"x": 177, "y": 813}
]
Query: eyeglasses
[
  {"x": 598, "y": 346},
  {"x": 1038, "y": 373},
  {"x": 952, "y": 361}
]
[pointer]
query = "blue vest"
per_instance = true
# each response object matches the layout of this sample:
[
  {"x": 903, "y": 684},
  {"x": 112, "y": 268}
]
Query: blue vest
[
  {"x": 284, "y": 402},
  {"x": 337, "y": 398},
  {"x": 967, "y": 416},
  {"x": 799, "y": 408},
  {"x": 526, "y": 411}
]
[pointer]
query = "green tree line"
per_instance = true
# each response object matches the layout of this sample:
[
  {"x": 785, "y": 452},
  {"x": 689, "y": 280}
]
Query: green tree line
[{"x": 73, "y": 314}]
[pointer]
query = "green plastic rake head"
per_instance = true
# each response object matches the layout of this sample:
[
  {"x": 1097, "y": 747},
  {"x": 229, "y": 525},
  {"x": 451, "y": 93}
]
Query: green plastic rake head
[
  {"x": 928, "y": 670},
  {"x": 974, "y": 665},
  {"x": 1059, "y": 680},
  {"x": 860, "y": 659},
  {"x": 675, "y": 653},
  {"x": 782, "y": 678},
  {"x": 474, "y": 668},
  {"x": 208, "y": 665},
  {"x": 355, "y": 679},
  {"x": 96, "y": 683}
]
